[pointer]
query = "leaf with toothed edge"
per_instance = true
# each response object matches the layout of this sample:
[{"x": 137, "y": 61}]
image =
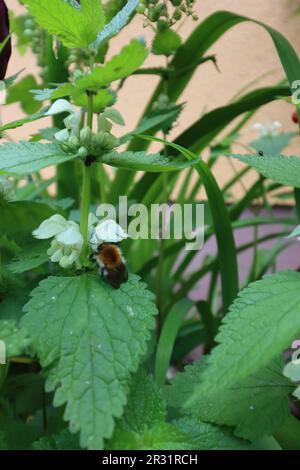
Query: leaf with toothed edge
[{"x": 91, "y": 338}]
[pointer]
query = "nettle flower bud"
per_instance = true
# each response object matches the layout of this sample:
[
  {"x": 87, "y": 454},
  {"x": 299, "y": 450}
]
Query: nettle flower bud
[
  {"x": 73, "y": 142},
  {"x": 98, "y": 140},
  {"x": 110, "y": 141},
  {"x": 86, "y": 135},
  {"x": 77, "y": 74},
  {"x": 82, "y": 152}
]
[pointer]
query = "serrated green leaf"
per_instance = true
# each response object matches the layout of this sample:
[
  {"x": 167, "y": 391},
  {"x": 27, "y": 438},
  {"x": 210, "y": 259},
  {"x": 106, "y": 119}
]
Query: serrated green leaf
[
  {"x": 16, "y": 339},
  {"x": 27, "y": 157},
  {"x": 166, "y": 42},
  {"x": 243, "y": 370},
  {"x": 207, "y": 436},
  {"x": 120, "y": 66},
  {"x": 145, "y": 404},
  {"x": 31, "y": 258},
  {"x": 143, "y": 425},
  {"x": 279, "y": 168},
  {"x": 142, "y": 161},
  {"x": 91, "y": 337},
  {"x": 60, "y": 441},
  {"x": 73, "y": 27}
]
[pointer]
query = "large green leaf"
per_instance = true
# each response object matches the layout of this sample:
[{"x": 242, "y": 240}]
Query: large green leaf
[
  {"x": 91, "y": 337},
  {"x": 279, "y": 168},
  {"x": 256, "y": 406},
  {"x": 120, "y": 66},
  {"x": 144, "y": 162},
  {"x": 73, "y": 27},
  {"x": 206, "y": 436},
  {"x": 27, "y": 157},
  {"x": 244, "y": 369}
]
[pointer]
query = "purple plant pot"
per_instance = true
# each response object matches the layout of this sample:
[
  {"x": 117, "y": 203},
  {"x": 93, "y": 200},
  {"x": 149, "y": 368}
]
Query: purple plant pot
[{"x": 4, "y": 32}]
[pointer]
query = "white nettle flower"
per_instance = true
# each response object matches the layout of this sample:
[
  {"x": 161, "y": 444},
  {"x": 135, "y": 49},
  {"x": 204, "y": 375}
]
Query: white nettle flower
[
  {"x": 72, "y": 122},
  {"x": 107, "y": 231},
  {"x": 66, "y": 247},
  {"x": 268, "y": 128}
]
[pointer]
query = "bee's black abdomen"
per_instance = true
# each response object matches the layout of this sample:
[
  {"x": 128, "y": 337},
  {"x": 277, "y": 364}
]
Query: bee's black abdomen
[{"x": 115, "y": 277}]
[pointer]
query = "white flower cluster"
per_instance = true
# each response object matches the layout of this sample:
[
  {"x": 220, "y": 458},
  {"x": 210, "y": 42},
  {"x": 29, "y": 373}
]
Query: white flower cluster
[
  {"x": 82, "y": 141},
  {"x": 67, "y": 242}
]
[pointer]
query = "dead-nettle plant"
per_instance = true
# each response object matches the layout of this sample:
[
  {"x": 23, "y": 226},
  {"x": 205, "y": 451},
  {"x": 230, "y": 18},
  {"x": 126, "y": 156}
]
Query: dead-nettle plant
[{"x": 85, "y": 346}]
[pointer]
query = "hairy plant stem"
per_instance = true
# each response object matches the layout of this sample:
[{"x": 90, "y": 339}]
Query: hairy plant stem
[
  {"x": 86, "y": 182},
  {"x": 85, "y": 205}
]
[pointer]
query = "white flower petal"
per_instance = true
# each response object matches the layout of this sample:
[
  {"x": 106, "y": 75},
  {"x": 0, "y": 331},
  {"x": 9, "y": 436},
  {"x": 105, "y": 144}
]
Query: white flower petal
[
  {"x": 62, "y": 135},
  {"x": 60, "y": 106},
  {"x": 110, "y": 231},
  {"x": 57, "y": 255},
  {"x": 65, "y": 262},
  {"x": 51, "y": 227},
  {"x": 72, "y": 122},
  {"x": 71, "y": 236}
]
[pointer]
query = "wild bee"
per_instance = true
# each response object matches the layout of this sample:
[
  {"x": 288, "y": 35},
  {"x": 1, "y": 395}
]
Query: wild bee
[{"x": 111, "y": 264}]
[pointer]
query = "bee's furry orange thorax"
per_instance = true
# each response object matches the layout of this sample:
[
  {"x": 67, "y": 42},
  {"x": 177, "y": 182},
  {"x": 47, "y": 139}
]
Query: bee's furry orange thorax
[{"x": 110, "y": 255}]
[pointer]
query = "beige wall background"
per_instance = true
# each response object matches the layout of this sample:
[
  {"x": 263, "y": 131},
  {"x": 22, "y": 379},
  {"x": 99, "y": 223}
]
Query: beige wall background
[{"x": 245, "y": 53}]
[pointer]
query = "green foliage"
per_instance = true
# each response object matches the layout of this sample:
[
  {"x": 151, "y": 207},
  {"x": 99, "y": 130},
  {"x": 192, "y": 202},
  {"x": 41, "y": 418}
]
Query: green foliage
[
  {"x": 91, "y": 338},
  {"x": 166, "y": 42},
  {"x": 73, "y": 27},
  {"x": 241, "y": 376},
  {"x": 279, "y": 168},
  {"x": 19, "y": 218},
  {"x": 120, "y": 66},
  {"x": 16, "y": 339},
  {"x": 27, "y": 157},
  {"x": 29, "y": 259},
  {"x": 20, "y": 92},
  {"x": 61, "y": 441},
  {"x": 145, "y": 162}
]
